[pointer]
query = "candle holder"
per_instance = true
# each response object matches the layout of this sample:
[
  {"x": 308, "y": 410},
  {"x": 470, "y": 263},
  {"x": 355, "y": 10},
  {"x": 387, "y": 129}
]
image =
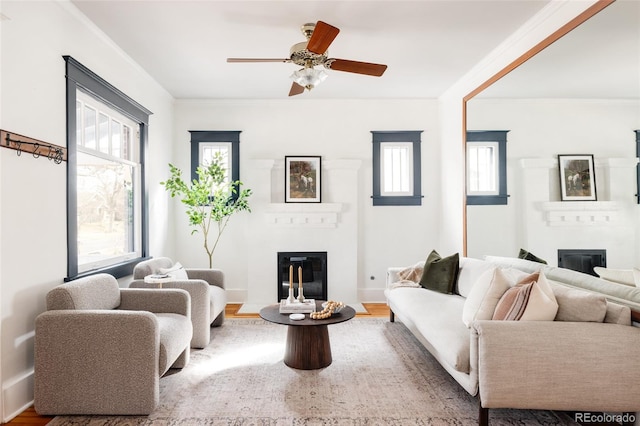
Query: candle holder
[
  {"x": 291, "y": 298},
  {"x": 300, "y": 295}
]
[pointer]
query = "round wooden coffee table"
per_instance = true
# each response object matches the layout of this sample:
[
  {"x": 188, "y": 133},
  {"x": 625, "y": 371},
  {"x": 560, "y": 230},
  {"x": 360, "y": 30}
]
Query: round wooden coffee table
[{"x": 308, "y": 346}]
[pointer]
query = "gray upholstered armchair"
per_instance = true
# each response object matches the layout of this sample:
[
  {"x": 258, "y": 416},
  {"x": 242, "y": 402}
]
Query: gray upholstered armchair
[
  {"x": 100, "y": 349},
  {"x": 206, "y": 287}
]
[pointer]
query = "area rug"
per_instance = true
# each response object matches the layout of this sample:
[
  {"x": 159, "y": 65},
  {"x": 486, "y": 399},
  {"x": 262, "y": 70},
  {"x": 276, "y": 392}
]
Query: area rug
[{"x": 380, "y": 375}]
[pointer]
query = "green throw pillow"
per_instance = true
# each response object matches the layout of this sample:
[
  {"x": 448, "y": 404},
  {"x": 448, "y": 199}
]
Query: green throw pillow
[
  {"x": 529, "y": 256},
  {"x": 440, "y": 274}
]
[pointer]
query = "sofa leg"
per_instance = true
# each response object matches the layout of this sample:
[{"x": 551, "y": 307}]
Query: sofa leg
[
  {"x": 483, "y": 416},
  {"x": 392, "y": 316}
]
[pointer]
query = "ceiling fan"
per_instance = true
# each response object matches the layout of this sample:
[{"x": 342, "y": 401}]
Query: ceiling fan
[{"x": 312, "y": 53}]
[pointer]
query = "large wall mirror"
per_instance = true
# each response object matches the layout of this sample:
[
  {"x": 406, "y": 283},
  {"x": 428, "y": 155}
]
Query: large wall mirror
[{"x": 579, "y": 95}]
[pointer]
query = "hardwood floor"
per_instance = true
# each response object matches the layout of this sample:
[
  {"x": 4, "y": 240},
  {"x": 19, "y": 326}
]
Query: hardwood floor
[
  {"x": 31, "y": 418},
  {"x": 373, "y": 310}
]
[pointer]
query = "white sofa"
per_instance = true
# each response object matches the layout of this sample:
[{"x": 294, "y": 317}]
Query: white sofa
[{"x": 555, "y": 365}]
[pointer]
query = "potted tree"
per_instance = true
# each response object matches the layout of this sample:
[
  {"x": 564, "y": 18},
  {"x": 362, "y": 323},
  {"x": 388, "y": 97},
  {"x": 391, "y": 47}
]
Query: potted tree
[{"x": 211, "y": 200}]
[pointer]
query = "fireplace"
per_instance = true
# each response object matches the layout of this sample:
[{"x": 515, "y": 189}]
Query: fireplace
[
  {"x": 314, "y": 274},
  {"x": 582, "y": 260}
]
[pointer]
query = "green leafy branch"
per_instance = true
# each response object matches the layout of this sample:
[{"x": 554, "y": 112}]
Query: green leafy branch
[{"x": 210, "y": 199}]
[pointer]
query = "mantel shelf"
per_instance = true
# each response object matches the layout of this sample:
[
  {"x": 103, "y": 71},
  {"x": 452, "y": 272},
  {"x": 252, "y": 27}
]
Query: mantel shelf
[
  {"x": 580, "y": 213},
  {"x": 304, "y": 215}
]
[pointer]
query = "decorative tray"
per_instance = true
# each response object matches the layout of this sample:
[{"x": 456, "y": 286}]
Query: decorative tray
[{"x": 306, "y": 307}]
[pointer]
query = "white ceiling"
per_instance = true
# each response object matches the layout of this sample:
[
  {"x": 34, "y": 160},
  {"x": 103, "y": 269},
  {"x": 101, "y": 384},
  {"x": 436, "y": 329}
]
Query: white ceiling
[
  {"x": 599, "y": 59},
  {"x": 427, "y": 44}
]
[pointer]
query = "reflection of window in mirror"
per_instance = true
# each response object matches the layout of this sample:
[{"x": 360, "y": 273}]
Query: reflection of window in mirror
[
  {"x": 486, "y": 167},
  {"x": 396, "y": 168},
  {"x": 205, "y": 144}
]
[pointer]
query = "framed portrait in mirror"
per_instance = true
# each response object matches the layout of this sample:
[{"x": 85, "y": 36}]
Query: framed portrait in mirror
[{"x": 577, "y": 177}]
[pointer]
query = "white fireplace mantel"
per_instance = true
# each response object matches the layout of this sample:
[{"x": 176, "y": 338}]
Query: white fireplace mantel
[
  {"x": 304, "y": 215},
  {"x": 580, "y": 213}
]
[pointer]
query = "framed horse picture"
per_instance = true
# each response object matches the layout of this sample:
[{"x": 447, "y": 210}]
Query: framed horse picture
[
  {"x": 302, "y": 175},
  {"x": 577, "y": 177}
]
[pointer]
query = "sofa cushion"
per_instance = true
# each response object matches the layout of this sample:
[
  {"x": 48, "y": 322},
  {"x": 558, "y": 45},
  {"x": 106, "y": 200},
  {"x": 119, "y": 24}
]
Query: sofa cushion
[
  {"x": 512, "y": 262},
  {"x": 578, "y": 305},
  {"x": 621, "y": 276},
  {"x": 484, "y": 295},
  {"x": 618, "y": 314},
  {"x": 218, "y": 300},
  {"x": 436, "y": 316},
  {"x": 527, "y": 255},
  {"x": 440, "y": 274},
  {"x": 175, "y": 335},
  {"x": 533, "y": 301}
]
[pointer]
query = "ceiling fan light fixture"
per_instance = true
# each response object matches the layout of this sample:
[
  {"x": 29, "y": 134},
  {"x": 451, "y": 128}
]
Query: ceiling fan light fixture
[{"x": 309, "y": 77}]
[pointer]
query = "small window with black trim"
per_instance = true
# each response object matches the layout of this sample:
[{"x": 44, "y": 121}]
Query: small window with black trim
[
  {"x": 396, "y": 168},
  {"x": 486, "y": 159},
  {"x": 207, "y": 144}
]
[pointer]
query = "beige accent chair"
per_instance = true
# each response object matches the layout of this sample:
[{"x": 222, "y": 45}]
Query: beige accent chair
[
  {"x": 101, "y": 350},
  {"x": 206, "y": 287}
]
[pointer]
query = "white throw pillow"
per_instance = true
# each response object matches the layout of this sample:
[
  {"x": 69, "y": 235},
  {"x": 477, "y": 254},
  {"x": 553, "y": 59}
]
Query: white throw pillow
[
  {"x": 469, "y": 272},
  {"x": 484, "y": 295},
  {"x": 542, "y": 305},
  {"x": 636, "y": 276},
  {"x": 620, "y": 276},
  {"x": 177, "y": 272}
]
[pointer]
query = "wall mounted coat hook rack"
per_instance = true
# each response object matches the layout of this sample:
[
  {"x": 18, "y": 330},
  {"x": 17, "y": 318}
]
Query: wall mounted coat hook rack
[{"x": 37, "y": 148}]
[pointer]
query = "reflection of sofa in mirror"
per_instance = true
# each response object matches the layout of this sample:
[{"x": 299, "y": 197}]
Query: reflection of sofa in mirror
[
  {"x": 582, "y": 358},
  {"x": 206, "y": 287},
  {"x": 100, "y": 349}
]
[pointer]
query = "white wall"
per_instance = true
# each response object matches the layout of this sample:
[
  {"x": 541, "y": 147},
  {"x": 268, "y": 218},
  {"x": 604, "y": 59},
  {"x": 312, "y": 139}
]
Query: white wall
[
  {"x": 33, "y": 191},
  {"x": 336, "y": 130},
  {"x": 539, "y": 130}
]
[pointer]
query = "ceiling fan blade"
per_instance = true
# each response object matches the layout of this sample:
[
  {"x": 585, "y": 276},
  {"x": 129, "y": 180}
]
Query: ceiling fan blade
[
  {"x": 323, "y": 35},
  {"x": 296, "y": 89},
  {"x": 356, "y": 67},
  {"x": 257, "y": 60}
]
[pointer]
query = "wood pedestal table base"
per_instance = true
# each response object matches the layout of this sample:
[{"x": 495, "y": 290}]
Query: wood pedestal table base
[{"x": 308, "y": 346}]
